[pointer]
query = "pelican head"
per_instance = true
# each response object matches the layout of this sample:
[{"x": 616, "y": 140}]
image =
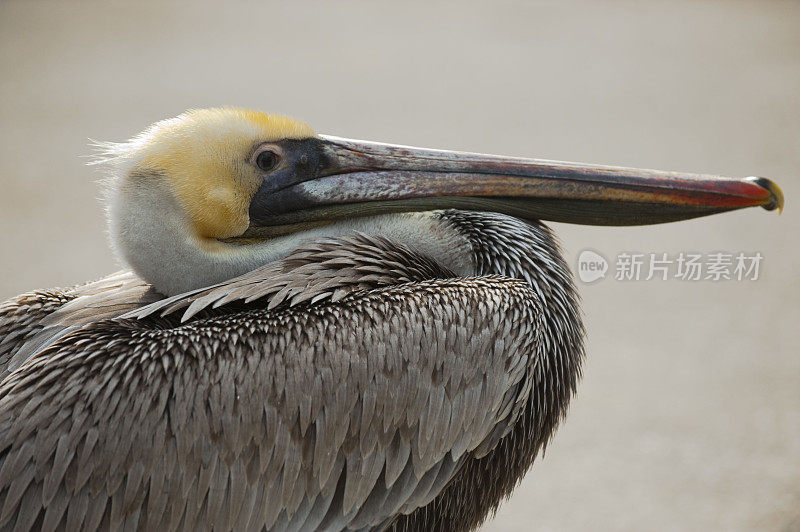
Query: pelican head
[{"x": 213, "y": 193}]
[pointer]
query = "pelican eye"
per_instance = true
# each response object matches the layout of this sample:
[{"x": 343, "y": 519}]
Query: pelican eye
[{"x": 267, "y": 160}]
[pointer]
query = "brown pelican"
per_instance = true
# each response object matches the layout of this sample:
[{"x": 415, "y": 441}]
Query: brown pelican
[{"x": 316, "y": 333}]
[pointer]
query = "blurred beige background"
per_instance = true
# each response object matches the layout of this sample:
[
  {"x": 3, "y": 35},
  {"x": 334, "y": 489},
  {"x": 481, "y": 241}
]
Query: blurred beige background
[{"x": 688, "y": 417}]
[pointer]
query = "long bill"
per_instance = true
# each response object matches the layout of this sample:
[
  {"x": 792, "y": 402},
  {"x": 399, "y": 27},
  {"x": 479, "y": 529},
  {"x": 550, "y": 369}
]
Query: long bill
[{"x": 360, "y": 178}]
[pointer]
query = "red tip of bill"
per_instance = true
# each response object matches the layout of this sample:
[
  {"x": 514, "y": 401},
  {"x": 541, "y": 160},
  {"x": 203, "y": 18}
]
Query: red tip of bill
[{"x": 772, "y": 193}]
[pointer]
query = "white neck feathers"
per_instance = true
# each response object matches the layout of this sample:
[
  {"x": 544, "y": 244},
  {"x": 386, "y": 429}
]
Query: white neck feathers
[{"x": 150, "y": 232}]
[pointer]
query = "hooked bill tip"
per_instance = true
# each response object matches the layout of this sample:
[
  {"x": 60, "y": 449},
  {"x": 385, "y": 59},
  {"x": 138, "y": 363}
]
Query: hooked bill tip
[{"x": 775, "y": 200}]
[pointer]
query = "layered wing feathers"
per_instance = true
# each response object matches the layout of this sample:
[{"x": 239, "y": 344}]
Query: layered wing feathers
[
  {"x": 326, "y": 391},
  {"x": 334, "y": 415}
]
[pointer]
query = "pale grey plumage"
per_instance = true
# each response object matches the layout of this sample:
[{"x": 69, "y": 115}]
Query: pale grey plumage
[
  {"x": 31, "y": 321},
  {"x": 353, "y": 384}
]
